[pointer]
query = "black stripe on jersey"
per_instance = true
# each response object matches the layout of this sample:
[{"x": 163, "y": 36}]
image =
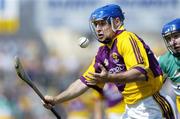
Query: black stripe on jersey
[
  {"x": 140, "y": 56},
  {"x": 133, "y": 45},
  {"x": 165, "y": 101},
  {"x": 165, "y": 106},
  {"x": 136, "y": 51}
]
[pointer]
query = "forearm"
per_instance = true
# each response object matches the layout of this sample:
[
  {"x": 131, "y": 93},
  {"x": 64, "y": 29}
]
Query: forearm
[
  {"x": 74, "y": 90},
  {"x": 127, "y": 76}
]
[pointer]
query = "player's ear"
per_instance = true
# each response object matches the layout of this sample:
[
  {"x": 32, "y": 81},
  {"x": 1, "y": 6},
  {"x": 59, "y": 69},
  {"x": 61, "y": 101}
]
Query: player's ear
[{"x": 117, "y": 22}]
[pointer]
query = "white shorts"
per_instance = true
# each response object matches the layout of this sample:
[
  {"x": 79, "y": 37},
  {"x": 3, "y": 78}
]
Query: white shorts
[
  {"x": 114, "y": 116},
  {"x": 153, "y": 107}
]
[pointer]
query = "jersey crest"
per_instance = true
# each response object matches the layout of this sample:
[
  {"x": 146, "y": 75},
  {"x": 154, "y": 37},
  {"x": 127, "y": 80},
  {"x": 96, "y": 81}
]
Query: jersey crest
[{"x": 115, "y": 57}]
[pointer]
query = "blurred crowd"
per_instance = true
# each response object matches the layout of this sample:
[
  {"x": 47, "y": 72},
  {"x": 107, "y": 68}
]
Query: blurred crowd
[{"x": 49, "y": 72}]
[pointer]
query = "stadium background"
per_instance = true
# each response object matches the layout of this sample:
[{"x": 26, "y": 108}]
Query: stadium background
[{"x": 44, "y": 33}]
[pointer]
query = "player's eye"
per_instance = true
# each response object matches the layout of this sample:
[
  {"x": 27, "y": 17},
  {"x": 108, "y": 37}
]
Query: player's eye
[
  {"x": 95, "y": 24},
  {"x": 176, "y": 36},
  {"x": 100, "y": 23},
  {"x": 168, "y": 38}
]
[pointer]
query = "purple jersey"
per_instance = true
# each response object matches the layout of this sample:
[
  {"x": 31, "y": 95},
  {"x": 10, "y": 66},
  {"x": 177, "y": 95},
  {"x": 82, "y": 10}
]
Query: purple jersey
[{"x": 128, "y": 51}]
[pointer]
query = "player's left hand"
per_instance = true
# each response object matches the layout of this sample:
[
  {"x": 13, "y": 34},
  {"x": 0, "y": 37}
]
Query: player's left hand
[{"x": 101, "y": 77}]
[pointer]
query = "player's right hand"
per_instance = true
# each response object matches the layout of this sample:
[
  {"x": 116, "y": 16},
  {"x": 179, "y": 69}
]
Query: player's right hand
[{"x": 49, "y": 103}]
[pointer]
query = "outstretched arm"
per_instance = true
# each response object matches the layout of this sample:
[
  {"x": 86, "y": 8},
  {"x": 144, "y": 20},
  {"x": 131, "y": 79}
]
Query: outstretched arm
[{"x": 74, "y": 90}]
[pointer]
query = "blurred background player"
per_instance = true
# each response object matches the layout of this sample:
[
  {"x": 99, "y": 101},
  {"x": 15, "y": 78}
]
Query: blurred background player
[
  {"x": 82, "y": 107},
  {"x": 170, "y": 61},
  {"x": 114, "y": 105},
  {"x": 92, "y": 105},
  {"x": 122, "y": 58}
]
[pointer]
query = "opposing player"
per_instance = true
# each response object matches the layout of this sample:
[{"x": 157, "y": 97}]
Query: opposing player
[
  {"x": 170, "y": 61},
  {"x": 124, "y": 59}
]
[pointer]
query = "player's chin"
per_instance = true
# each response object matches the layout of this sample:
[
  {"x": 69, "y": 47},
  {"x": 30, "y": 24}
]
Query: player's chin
[{"x": 101, "y": 39}]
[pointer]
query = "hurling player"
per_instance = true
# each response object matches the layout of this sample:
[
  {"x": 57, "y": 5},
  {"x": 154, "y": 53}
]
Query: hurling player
[
  {"x": 124, "y": 59},
  {"x": 170, "y": 61}
]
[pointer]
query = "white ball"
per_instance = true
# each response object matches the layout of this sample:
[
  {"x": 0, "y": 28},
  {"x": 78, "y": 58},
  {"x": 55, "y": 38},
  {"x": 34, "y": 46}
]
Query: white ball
[{"x": 83, "y": 42}]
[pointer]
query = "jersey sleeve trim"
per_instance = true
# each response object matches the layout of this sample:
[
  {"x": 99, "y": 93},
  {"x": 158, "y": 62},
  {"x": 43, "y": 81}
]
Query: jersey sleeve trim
[
  {"x": 100, "y": 90},
  {"x": 142, "y": 70}
]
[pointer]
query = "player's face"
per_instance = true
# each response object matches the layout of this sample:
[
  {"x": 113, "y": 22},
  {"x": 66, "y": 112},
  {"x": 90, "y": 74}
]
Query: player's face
[
  {"x": 103, "y": 30},
  {"x": 173, "y": 41}
]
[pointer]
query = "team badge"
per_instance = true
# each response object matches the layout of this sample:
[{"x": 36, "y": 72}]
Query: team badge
[{"x": 115, "y": 57}]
